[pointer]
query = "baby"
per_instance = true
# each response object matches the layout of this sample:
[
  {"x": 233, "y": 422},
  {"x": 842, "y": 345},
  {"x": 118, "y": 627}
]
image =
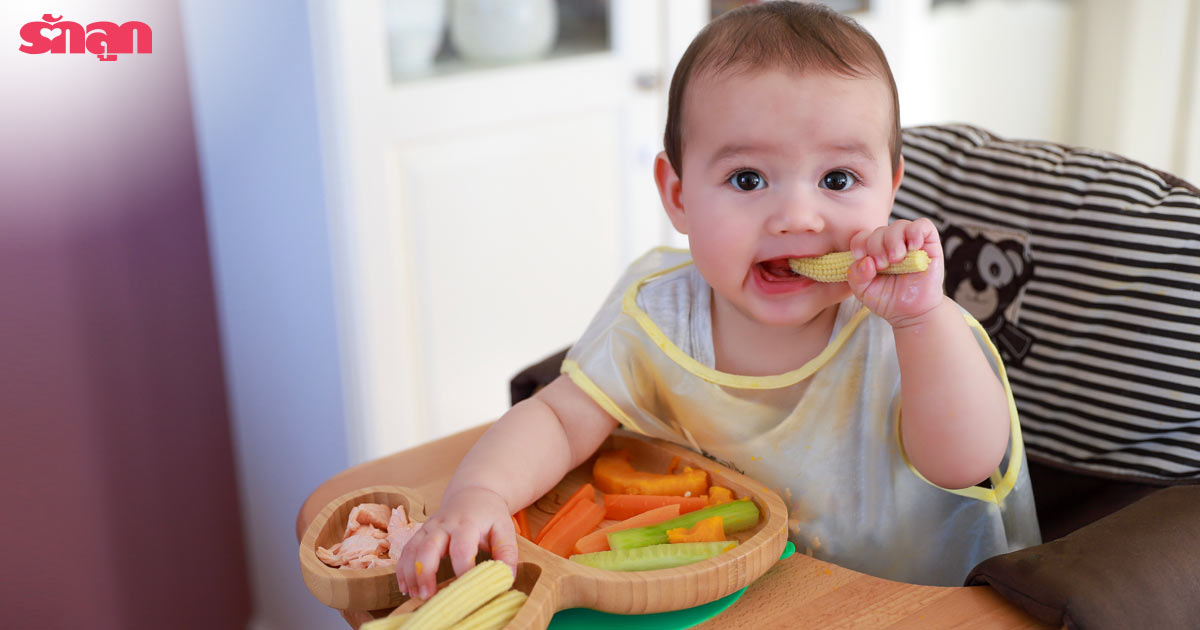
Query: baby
[{"x": 876, "y": 407}]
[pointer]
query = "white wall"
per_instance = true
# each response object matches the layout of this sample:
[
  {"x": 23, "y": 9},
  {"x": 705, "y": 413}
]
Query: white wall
[
  {"x": 1118, "y": 75},
  {"x": 256, "y": 125},
  {"x": 1004, "y": 65},
  {"x": 1139, "y": 82}
]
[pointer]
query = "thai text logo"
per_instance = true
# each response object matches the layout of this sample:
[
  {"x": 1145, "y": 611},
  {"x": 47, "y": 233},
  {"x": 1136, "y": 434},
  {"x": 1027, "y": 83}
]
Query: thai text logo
[{"x": 106, "y": 40}]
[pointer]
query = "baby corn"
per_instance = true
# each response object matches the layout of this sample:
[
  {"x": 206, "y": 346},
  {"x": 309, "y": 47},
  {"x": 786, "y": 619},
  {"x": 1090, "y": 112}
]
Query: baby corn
[
  {"x": 833, "y": 267},
  {"x": 494, "y": 614},
  {"x": 391, "y": 622},
  {"x": 470, "y": 591}
]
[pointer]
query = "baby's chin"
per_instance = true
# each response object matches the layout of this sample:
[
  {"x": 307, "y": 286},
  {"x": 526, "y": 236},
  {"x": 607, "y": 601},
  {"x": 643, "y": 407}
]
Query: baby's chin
[
  {"x": 791, "y": 319},
  {"x": 799, "y": 311}
]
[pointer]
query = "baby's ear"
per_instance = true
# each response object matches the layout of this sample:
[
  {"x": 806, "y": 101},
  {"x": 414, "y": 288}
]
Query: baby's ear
[
  {"x": 897, "y": 177},
  {"x": 670, "y": 190}
]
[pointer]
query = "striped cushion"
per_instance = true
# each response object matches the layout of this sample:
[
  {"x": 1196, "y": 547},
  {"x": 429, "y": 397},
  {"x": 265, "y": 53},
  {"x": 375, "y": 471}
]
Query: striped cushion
[{"x": 1084, "y": 268}]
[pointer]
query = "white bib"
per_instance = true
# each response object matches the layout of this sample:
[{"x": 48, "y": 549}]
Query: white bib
[{"x": 824, "y": 436}]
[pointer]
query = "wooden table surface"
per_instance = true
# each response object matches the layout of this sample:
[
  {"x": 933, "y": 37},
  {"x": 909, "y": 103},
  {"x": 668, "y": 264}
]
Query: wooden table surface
[{"x": 798, "y": 592}]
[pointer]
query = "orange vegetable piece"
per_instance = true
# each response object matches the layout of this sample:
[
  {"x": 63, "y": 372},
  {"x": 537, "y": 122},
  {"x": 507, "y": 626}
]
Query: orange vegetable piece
[
  {"x": 582, "y": 518},
  {"x": 586, "y": 491},
  {"x": 623, "y": 506},
  {"x": 598, "y": 540},
  {"x": 614, "y": 474},
  {"x": 521, "y": 522},
  {"x": 718, "y": 495},
  {"x": 674, "y": 465},
  {"x": 707, "y": 530}
]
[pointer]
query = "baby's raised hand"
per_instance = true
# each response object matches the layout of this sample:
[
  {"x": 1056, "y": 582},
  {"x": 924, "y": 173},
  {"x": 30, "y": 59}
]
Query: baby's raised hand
[
  {"x": 900, "y": 299},
  {"x": 470, "y": 520}
]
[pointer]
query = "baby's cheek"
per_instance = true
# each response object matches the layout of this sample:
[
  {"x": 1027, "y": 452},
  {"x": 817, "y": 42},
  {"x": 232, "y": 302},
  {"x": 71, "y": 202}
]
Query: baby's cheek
[
  {"x": 711, "y": 251},
  {"x": 709, "y": 268}
]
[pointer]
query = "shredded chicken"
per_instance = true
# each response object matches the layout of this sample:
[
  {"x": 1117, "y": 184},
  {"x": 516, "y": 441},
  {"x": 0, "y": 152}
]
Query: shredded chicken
[
  {"x": 369, "y": 562},
  {"x": 365, "y": 541},
  {"x": 400, "y": 530},
  {"x": 373, "y": 514},
  {"x": 375, "y": 534}
]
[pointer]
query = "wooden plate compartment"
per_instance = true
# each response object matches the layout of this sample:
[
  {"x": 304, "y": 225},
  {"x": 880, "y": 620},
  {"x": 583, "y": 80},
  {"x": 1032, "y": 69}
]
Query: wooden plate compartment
[{"x": 354, "y": 589}]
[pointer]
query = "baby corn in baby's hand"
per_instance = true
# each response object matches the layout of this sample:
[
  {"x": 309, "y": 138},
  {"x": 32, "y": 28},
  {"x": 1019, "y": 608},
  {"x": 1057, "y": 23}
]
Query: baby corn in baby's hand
[{"x": 834, "y": 266}]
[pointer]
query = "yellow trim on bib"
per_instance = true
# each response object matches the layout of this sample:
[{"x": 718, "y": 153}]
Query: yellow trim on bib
[
  {"x": 571, "y": 368},
  {"x": 1001, "y": 484},
  {"x": 776, "y": 381}
]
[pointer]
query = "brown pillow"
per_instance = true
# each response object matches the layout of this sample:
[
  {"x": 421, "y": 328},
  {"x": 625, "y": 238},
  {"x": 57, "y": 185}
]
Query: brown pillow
[{"x": 1136, "y": 568}]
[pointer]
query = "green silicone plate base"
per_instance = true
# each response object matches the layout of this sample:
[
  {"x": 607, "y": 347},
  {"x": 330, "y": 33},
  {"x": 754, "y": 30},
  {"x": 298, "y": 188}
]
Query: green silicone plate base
[{"x": 588, "y": 619}]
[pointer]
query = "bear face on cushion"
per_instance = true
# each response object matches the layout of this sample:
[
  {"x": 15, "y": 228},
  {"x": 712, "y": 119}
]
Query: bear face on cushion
[{"x": 986, "y": 273}]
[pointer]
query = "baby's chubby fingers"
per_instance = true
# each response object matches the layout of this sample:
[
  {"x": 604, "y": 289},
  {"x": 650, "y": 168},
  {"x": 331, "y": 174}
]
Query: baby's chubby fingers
[
  {"x": 419, "y": 561},
  {"x": 464, "y": 546},
  {"x": 862, "y": 270},
  {"x": 860, "y": 274},
  {"x": 404, "y": 577},
  {"x": 894, "y": 242},
  {"x": 503, "y": 543},
  {"x": 877, "y": 249},
  {"x": 922, "y": 234},
  {"x": 885, "y": 245},
  {"x": 858, "y": 245},
  {"x": 868, "y": 244}
]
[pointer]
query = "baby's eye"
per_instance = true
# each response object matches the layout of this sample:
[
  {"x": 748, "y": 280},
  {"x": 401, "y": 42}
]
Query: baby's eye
[
  {"x": 747, "y": 181},
  {"x": 838, "y": 180}
]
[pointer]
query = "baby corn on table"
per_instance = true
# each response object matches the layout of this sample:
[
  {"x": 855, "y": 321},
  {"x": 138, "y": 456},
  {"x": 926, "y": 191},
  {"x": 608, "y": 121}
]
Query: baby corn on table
[{"x": 481, "y": 599}]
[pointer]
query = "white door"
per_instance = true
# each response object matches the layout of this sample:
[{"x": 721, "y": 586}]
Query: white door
[{"x": 480, "y": 215}]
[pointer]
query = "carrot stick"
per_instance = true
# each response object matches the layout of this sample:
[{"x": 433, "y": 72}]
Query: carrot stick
[
  {"x": 582, "y": 518},
  {"x": 623, "y": 506},
  {"x": 586, "y": 491},
  {"x": 521, "y": 520},
  {"x": 598, "y": 540}
]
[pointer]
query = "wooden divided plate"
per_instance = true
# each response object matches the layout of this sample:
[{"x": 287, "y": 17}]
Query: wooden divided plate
[{"x": 554, "y": 583}]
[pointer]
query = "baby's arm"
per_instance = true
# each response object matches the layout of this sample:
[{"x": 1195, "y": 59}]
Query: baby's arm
[
  {"x": 955, "y": 419},
  {"x": 517, "y": 460}
]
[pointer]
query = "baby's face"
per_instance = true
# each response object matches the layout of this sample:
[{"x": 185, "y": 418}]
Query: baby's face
[{"x": 779, "y": 165}]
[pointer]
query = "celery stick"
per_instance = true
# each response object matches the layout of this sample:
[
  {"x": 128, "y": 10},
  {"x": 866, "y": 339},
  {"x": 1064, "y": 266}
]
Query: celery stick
[
  {"x": 737, "y": 516},
  {"x": 654, "y": 556}
]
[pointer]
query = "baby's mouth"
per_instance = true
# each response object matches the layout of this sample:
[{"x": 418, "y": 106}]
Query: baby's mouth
[{"x": 777, "y": 270}]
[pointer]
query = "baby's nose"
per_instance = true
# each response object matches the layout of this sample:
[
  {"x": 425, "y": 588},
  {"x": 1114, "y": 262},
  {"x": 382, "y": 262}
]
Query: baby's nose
[{"x": 795, "y": 213}]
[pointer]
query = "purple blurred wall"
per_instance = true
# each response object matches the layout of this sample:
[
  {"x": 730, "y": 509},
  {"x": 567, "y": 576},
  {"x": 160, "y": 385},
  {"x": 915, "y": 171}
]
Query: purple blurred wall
[{"x": 118, "y": 483}]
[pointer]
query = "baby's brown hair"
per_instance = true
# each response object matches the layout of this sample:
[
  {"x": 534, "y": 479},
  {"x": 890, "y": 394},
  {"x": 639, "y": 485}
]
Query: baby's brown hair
[{"x": 798, "y": 36}]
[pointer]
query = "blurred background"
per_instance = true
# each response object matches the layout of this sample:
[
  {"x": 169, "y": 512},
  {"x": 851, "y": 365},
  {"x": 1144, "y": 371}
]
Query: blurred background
[{"x": 301, "y": 235}]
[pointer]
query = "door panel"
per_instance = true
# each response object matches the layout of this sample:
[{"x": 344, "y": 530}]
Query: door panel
[{"x": 514, "y": 241}]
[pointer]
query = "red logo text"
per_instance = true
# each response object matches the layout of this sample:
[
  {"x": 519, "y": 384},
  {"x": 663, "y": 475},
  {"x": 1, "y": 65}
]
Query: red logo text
[{"x": 106, "y": 40}]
